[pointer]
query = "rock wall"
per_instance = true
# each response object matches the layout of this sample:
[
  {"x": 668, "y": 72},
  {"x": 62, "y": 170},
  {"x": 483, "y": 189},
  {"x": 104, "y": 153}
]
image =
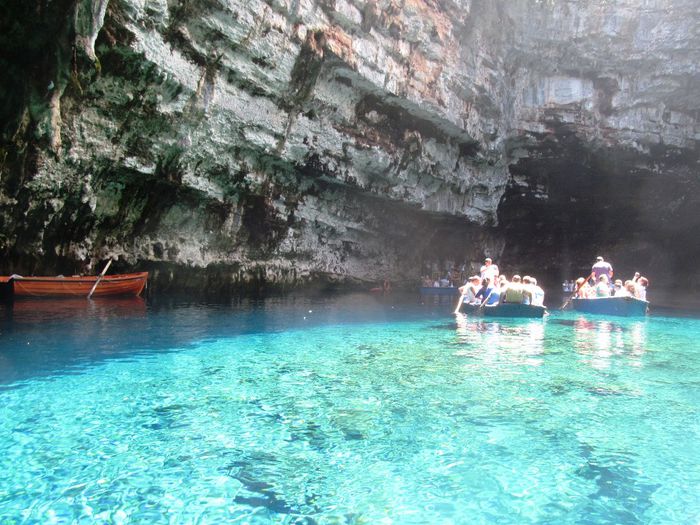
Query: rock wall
[
  {"x": 604, "y": 149},
  {"x": 284, "y": 142}
]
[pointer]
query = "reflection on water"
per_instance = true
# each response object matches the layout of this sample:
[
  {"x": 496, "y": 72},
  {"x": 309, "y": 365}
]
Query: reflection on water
[
  {"x": 517, "y": 341},
  {"x": 600, "y": 340},
  {"x": 48, "y": 310}
]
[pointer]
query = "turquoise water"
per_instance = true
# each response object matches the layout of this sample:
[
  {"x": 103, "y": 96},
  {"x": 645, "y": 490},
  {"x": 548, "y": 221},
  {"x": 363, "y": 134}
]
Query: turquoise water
[{"x": 345, "y": 410}]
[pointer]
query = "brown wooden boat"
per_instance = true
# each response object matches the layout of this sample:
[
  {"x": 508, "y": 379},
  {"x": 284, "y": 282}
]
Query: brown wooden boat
[{"x": 124, "y": 284}]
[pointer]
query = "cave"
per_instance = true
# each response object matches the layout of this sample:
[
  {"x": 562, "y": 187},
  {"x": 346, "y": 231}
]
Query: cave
[{"x": 262, "y": 145}]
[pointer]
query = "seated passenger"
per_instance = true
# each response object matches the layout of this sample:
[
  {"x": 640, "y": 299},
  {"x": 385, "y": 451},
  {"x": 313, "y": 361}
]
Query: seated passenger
[
  {"x": 528, "y": 290},
  {"x": 495, "y": 296},
  {"x": 513, "y": 292},
  {"x": 582, "y": 288},
  {"x": 619, "y": 290},
  {"x": 641, "y": 287},
  {"x": 537, "y": 293},
  {"x": 602, "y": 289},
  {"x": 640, "y": 284},
  {"x": 470, "y": 289},
  {"x": 631, "y": 289},
  {"x": 486, "y": 293}
]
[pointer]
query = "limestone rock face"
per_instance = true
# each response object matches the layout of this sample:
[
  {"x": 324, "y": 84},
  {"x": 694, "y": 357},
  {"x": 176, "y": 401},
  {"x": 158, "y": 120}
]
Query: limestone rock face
[
  {"x": 604, "y": 147},
  {"x": 282, "y": 142}
]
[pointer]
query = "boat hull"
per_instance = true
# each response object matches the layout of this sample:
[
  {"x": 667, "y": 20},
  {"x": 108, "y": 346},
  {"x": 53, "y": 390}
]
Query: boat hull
[
  {"x": 524, "y": 311},
  {"x": 618, "y": 306},
  {"x": 111, "y": 285}
]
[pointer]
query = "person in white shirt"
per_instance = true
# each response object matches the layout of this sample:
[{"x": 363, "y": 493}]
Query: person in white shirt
[
  {"x": 602, "y": 289},
  {"x": 489, "y": 271},
  {"x": 641, "y": 286},
  {"x": 619, "y": 290},
  {"x": 537, "y": 293},
  {"x": 470, "y": 289}
]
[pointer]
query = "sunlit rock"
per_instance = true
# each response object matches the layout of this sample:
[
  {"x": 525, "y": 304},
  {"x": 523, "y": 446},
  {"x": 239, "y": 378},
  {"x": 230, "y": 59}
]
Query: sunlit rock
[{"x": 284, "y": 142}]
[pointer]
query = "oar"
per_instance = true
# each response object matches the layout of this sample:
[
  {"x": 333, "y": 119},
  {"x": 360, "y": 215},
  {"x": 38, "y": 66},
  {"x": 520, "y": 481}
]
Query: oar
[
  {"x": 459, "y": 303},
  {"x": 576, "y": 291},
  {"x": 99, "y": 278},
  {"x": 483, "y": 303}
]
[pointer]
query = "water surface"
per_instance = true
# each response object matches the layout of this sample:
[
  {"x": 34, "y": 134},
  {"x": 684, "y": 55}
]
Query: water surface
[{"x": 348, "y": 409}]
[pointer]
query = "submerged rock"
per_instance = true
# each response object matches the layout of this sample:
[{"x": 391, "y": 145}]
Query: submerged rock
[{"x": 240, "y": 144}]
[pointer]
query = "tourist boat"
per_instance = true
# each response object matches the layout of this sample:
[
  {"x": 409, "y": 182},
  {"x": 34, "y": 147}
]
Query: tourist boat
[
  {"x": 622, "y": 306},
  {"x": 506, "y": 310},
  {"x": 108, "y": 285}
]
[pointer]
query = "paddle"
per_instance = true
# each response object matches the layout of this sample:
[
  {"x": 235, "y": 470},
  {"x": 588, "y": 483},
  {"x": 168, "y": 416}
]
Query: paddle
[
  {"x": 99, "y": 278},
  {"x": 459, "y": 303},
  {"x": 576, "y": 291},
  {"x": 483, "y": 303}
]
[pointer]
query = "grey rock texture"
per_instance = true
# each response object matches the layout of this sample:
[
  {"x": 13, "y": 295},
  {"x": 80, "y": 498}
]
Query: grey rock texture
[{"x": 242, "y": 144}]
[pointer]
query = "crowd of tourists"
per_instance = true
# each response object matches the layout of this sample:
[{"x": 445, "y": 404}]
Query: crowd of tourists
[
  {"x": 601, "y": 283},
  {"x": 490, "y": 288}
]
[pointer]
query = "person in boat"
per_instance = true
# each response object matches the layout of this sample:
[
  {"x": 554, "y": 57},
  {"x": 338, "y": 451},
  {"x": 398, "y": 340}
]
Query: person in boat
[
  {"x": 631, "y": 289},
  {"x": 514, "y": 292},
  {"x": 489, "y": 270},
  {"x": 495, "y": 296},
  {"x": 487, "y": 294},
  {"x": 601, "y": 267},
  {"x": 470, "y": 289},
  {"x": 537, "y": 293},
  {"x": 619, "y": 290},
  {"x": 527, "y": 287},
  {"x": 641, "y": 287},
  {"x": 641, "y": 284},
  {"x": 583, "y": 289},
  {"x": 602, "y": 288}
]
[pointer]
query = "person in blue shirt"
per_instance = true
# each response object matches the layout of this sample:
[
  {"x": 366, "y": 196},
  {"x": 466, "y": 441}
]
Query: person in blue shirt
[{"x": 487, "y": 293}]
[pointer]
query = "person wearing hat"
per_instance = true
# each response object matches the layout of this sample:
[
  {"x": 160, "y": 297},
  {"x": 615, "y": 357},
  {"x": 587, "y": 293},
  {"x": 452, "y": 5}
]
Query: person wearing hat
[
  {"x": 468, "y": 292},
  {"x": 489, "y": 271},
  {"x": 601, "y": 267}
]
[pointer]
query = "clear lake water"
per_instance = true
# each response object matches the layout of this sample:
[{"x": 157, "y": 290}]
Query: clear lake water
[{"x": 346, "y": 409}]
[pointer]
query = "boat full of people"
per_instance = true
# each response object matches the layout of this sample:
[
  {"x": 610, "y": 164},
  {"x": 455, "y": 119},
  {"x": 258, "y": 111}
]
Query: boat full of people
[
  {"x": 492, "y": 294},
  {"x": 601, "y": 294}
]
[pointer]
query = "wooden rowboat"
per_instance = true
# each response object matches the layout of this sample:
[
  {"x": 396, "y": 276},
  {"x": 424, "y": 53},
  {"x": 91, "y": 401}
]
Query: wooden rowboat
[
  {"x": 506, "y": 310},
  {"x": 124, "y": 284},
  {"x": 623, "y": 306}
]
